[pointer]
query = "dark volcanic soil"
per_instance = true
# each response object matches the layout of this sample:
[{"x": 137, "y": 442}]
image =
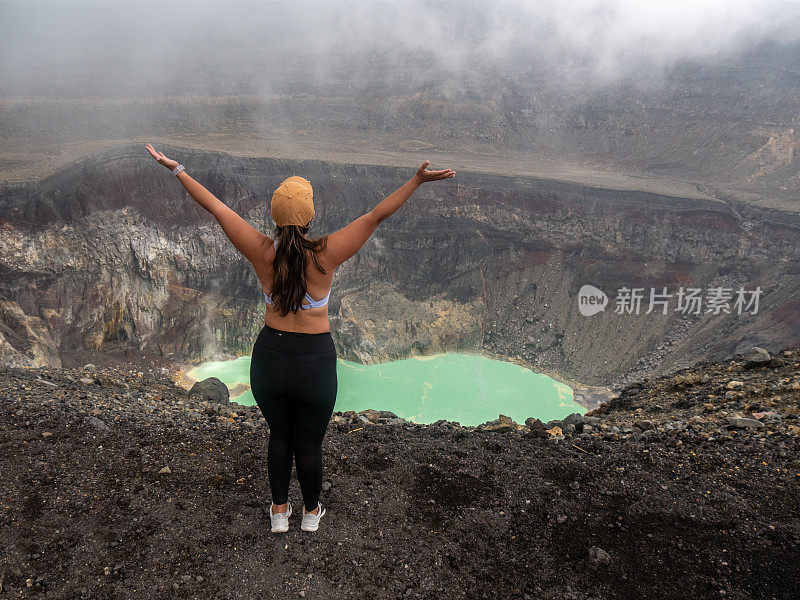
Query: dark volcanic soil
[{"x": 682, "y": 505}]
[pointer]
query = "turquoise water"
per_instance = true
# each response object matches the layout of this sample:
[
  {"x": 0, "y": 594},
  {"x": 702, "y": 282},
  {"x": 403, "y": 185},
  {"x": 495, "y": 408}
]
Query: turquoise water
[{"x": 467, "y": 388}]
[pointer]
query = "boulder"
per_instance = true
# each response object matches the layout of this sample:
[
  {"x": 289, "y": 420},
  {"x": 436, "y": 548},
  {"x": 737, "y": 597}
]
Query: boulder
[
  {"x": 371, "y": 414},
  {"x": 533, "y": 423},
  {"x": 535, "y": 428},
  {"x": 744, "y": 423},
  {"x": 598, "y": 558},
  {"x": 768, "y": 416},
  {"x": 686, "y": 380},
  {"x": 211, "y": 390},
  {"x": 97, "y": 423},
  {"x": 555, "y": 431},
  {"x": 502, "y": 424},
  {"x": 756, "y": 357}
]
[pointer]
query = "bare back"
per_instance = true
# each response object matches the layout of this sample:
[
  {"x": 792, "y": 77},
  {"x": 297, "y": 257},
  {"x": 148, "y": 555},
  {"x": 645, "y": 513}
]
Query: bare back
[{"x": 307, "y": 320}]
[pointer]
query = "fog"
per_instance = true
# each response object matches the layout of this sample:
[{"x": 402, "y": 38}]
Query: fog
[{"x": 107, "y": 49}]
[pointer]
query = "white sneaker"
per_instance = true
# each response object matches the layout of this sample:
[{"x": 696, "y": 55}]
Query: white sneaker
[
  {"x": 311, "y": 520},
  {"x": 280, "y": 521}
]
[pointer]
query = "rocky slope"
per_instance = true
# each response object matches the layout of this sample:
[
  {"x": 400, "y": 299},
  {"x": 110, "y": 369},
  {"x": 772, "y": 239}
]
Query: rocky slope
[
  {"x": 110, "y": 253},
  {"x": 117, "y": 484},
  {"x": 731, "y": 121}
]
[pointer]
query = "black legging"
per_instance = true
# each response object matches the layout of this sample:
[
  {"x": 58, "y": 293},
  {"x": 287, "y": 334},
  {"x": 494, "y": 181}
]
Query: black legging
[{"x": 293, "y": 378}]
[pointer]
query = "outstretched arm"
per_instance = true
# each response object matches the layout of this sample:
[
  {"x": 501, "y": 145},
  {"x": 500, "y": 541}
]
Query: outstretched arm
[
  {"x": 247, "y": 240},
  {"x": 347, "y": 241}
]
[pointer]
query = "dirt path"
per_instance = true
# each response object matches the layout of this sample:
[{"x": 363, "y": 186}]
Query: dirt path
[{"x": 33, "y": 159}]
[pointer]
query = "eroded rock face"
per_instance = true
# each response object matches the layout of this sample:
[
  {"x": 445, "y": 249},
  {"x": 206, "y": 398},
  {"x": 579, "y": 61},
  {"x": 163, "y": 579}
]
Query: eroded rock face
[
  {"x": 113, "y": 251},
  {"x": 24, "y": 339}
]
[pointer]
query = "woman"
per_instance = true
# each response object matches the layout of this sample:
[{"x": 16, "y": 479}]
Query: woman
[{"x": 293, "y": 366}]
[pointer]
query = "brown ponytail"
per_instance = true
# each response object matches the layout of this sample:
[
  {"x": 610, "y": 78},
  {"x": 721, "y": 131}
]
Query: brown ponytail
[{"x": 289, "y": 285}]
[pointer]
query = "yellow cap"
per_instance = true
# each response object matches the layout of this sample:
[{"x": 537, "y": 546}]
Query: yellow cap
[{"x": 293, "y": 202}]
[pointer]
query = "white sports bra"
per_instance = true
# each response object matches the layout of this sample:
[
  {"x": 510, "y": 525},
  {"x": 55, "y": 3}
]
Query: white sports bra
[{"x": 312, "y": 303}]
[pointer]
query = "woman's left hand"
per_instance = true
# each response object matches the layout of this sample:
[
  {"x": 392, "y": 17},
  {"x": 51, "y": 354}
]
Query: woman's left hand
[{"x": 159, "y": 156}]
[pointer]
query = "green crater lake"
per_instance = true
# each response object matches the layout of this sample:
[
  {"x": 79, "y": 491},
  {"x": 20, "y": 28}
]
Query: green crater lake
[{"x": 467, "y": 388}]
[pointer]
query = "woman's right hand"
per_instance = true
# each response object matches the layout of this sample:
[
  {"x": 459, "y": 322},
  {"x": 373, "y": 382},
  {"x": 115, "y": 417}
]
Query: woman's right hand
[{"x": 423, "y": 175}]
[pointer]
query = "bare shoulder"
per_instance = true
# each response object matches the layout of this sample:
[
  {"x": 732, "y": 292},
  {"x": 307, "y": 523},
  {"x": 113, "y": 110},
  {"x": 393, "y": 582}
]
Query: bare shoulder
[
  {"x": 263, "y": 260},
  {"x": 324, "y": 255}
]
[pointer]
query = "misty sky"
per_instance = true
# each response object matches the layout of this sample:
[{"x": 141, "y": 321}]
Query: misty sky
[{"x": 260, "y": 46}]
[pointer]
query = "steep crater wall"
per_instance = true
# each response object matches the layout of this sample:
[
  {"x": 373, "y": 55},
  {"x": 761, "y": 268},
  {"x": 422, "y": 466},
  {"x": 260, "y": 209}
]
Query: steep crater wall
[{"x": 111, "y": 251}]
